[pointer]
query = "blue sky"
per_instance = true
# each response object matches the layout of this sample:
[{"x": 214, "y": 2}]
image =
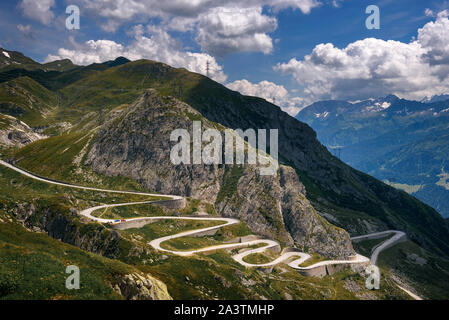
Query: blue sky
[{"x": 251, "y": 44}]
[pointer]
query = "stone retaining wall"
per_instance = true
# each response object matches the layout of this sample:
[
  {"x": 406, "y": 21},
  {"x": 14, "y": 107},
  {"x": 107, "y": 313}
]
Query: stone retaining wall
[
  {"x": 172, "y": 204},
  {"x": 327, "y": 270}
]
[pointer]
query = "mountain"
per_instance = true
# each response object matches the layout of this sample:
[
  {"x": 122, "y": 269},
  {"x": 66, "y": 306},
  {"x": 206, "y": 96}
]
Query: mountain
[
  {"x": 27, "y": 100},
  {"x": 401, "y": 142},
  {"x": 117, "y": 62},
  {"x": 333, "y": 187},
  {"x": 109, "y": 125},
  {"x": 59, "y": 65},
  {"x": 437, "y": 98},
  {"x": 10, "y": 60},
  {"x": 14, "y": 59}
]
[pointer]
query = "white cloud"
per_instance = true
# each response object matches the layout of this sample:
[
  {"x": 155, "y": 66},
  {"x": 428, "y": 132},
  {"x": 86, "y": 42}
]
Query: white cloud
[
  {"x": 374, "y": 67},
  {"x": 91, "y": 52},
  {"x": 126, "y": 10},
  {"x": 434, "y": 38},
  {"x": 304, "y": 5},
  {"x": 39, "y": 10},
  {"x": 221, "y": 27},
  {"x": 271, "y": 92},
  {"x": 158, "y": 46},
  {"x": 225, "y": 30}
]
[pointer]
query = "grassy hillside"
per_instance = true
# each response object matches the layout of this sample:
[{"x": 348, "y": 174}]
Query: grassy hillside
[
  {"x": 61, "y": 157},
  {"x": 59, "y": 65},
  {"x": 99, "y": 88},
  {"x": 28, "y": 275},
  {"x": 28, "y": 101},
  {"x": 83, "y": 95},
  {"x": 418, "y": 267},
  {"x": 14, "y": 59},
  {"x": 32, "y": 266}
]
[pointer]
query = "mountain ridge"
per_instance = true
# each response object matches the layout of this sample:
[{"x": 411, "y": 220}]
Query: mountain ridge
[
  {"x": 380, "y": 142},
  {"x": 100, "y": 133},
  {"x": 312, "y": 161}
]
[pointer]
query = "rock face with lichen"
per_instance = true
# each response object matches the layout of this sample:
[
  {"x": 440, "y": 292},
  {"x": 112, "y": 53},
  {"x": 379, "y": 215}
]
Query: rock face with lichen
[
  {"x": 142, "y": 287},
  {"x": 135, "y": 142},
  {"x": 14, "y": 132},
  {"x": 63, "y": 223}
]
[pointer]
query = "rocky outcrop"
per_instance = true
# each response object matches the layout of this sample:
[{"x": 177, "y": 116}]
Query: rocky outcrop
[
  {"x": 63, "y": 224},
  {"x": 16, "y": 133},
  {"x": 359, "y": 203},
  {"x": 302, "y": 220},
  {"x": 136, "y": 143},
  {"x": 142, "y": 287}
]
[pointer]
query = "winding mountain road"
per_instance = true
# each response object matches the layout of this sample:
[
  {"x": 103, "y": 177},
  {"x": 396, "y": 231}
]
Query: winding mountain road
[
  {"x": 396, "y": 238},
  {"x": 293, "y": 258}
]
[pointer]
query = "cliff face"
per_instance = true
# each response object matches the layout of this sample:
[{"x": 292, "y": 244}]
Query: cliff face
[
  {"x": 348, "y": 198},
  {"x": 63, "y": 224},
  {"x": 302, "y": 220},
  {"x": 16, "y": 133},
  {"x": 136, "y": 143}
]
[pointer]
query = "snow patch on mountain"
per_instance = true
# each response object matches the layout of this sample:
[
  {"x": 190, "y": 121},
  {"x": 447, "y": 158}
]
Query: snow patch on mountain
[
  {"x": 378, "y": 107},
  {"x": 6, "y": 54},
  {"x": 438, "y": 98}
]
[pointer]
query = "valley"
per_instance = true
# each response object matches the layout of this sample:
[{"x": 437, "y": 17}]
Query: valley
[
  {"x": 260, "y": 245},
  {"x": 401, "y": 142},
  {"x": 104, "y": 130}
]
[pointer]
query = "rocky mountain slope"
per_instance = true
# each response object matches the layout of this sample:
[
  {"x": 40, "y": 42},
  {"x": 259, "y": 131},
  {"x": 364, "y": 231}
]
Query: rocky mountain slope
[
  {"x": 33, "y": 263},
  {"x": 401, "y": 142},
  {"x": 106, "y": 128},
  {"x": 272, "y": 206},
  {"x": 347, "y": 198}
]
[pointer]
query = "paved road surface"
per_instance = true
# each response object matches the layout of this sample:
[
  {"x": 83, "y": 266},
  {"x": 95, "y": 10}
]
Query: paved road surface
[{"x": 398, "y": 236}]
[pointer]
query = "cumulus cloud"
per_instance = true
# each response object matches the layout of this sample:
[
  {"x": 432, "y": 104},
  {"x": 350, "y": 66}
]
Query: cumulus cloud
[
  {"x": 304, "y": 5},
  {"x": 221, "y": 27},
  {"x": 129, "y": 9},
  {"x": 271, "y": 92},
  {"x": 225, "y": 30},
  {"x": 374, "y": 67},
  {"x": 159, "y": 46},
  {"x": 39, "y": 10},
  {"x": 434, "y": 38}
]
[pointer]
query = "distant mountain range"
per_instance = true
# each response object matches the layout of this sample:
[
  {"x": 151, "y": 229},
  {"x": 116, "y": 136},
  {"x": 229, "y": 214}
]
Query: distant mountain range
[
  {"x": 437, "y": 98},
  {"x": 404, "y": 143}
]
